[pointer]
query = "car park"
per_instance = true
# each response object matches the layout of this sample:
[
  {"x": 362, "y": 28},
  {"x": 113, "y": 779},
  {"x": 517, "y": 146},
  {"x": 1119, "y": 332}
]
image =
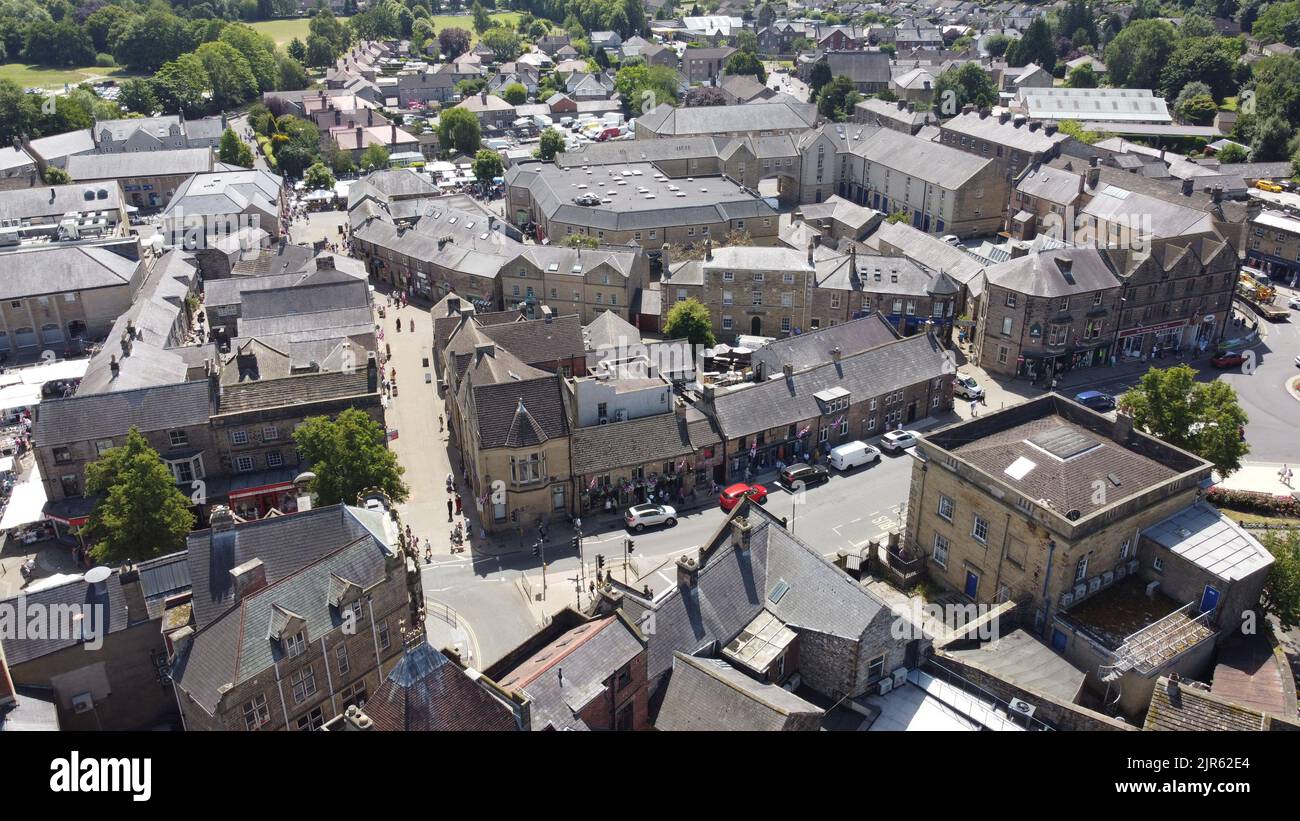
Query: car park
[
  {"x": 639, "y": 517},
  {"x": 731, "y": 497},
  {"x": 897, "y": 440},
  {"x": 803, "y": 475}
]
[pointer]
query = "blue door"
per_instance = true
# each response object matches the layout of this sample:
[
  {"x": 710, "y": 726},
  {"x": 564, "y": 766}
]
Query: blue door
[
  {"x": 972, "y": 584},
  {"x": 1209, "y": 599},
  {"x": 1059, "y": 641},
  {"x": 925, "y": 225}
]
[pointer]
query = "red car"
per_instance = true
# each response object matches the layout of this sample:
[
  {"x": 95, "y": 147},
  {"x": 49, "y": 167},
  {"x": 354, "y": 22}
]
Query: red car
[
  {"x": 1228, "y": 360},
  {"x": 732, "y": 495}
]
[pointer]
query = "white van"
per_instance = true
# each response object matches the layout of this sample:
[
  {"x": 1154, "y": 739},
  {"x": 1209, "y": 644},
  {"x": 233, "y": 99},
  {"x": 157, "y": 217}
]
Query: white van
[{"x": 851, "y": 454}]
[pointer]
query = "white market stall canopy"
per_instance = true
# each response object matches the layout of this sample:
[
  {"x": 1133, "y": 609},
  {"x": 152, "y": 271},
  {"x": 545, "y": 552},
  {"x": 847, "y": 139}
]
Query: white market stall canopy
[
  {"x": 26, "y": 503},
  {"x": 15, "y": 397},
  {"x": 55, "y": 371}
]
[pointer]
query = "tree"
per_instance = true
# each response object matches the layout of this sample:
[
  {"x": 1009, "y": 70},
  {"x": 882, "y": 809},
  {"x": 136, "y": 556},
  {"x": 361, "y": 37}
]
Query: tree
[
  {"x": 1271, "y": 138},
  {"x": 515, "y": 94},
  {"x": 318, "y": 177},
  {"x": 996, "y": 44},
  {"x": 349, "y": 454},
  {"x": 297, "y": 50},
  {"x": 550, "y": 144},
  {"x": 459, "y": 130},
  {"x": 453, "y": 42},
  {"x": 1081, "y": 77},
  {"x": 747, "y": 62},
  {"x": 766, "y": 16},
  {"x": 56, "y": 176},
  {"x": 137, "y": 96},
  {"x": 700, "y": 96},
  {"x": 230, "y": 78},
  {"x": 819, "y": 76},
  {"x": 1231, "y": 153},
  {"x": 234, "y": 151},
  {"x": 258, "y": 49},
  {"x": 1275, "y": 24},
  {"x": 152, "y": 39},
  {"x": 689, "y": 319},
  {"x": 1201, "y": 417},
  {"x": 645, "y": 87},
  {"x": 1198, "y": 109},
  {"x": 1280, "y": 597},
  {"x": 1135, "y": 58},
  {"x": 967, "y": 83},
  {"x": 375, "y": 157},
  {"x": 503, "y": 42},
  {"x": 181, "y": 85},
  {"x": 837, "y": 99},
  {"x": 1035, "y": 46},
  {"x": 1209, "y": 60},
  {"x": 487, "y": 165},
  {"x": 746, "y": 40},
  {"x": 482, "y": 22},
  {"x": 141, "y": 513}
]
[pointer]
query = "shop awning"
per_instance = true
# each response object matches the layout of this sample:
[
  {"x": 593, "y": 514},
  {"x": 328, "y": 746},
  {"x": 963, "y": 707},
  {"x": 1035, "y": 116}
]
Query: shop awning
[
  {"x": 14, "y": 397},
  {"x": 264, "y": 481},
  {"x": 55, "y": 371},
  {"x": 26, "y": 503}
]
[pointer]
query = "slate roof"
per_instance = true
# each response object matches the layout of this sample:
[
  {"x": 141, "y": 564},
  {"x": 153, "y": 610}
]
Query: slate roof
[
  {"x": 294, "y": 390},
  {"x": 860, "y": 66},
  {"x": 59, "y": 269},
  {"x": 306, "y": 299},
  {"x": 84, "y": 167},
  {"x": 1052, "y": 184},
  {"x": 52, "y": 202},
  {"x": 602, "y": 448},
  {"x": 1067, "y": 483},
  {"x": 107, "y": 614},
  {"x": 58, "y": 146},
  {"x": 711, "y": 695},
  {"x": 1042, "y": 274},
  {"x": 781, "y": 401},
  {"x": 104, "y": 415},
  {"x": 428, "y": 692},
  {"x": 300, "y": 554},
  {"x": 666, "y": 120},
  {"x": 518, "y": 414},
  {"x": 539, "y": 342},
  {"x": 285, "y": 544},
  {"x": 569, "y": 673},
  {"x": 813, "y": 349},
  {"x": 733, "y": 588},
  {"x": 936, "y": 163},
  {"x": 1191, "y": 708}
]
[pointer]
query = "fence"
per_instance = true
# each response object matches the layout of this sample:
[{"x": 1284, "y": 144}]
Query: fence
[{"x": 441, "y": 611}]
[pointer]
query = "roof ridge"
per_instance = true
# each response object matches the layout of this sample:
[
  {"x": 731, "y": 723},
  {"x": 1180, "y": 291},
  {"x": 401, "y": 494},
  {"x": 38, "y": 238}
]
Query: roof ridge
[{"x": 713, "y": 671}]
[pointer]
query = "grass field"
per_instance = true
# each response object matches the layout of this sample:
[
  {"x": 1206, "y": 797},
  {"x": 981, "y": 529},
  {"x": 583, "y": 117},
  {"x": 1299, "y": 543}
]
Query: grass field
[
  {"x": 282, "y": 31},
  {"x": 30, "y": 76}
]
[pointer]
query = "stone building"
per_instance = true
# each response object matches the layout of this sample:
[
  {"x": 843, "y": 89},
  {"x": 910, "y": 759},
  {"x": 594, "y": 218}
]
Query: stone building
[
  {"x": 293, "y": 618},
  {"x": 748, "y": 290},
  {"x": 799, "y": 415},
  {"x": 1095, "y": 531},
  {"x": 1048, "y": 312}
]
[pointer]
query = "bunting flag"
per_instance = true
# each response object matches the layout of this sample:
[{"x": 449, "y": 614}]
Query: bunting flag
[
  {"x": 839, "y": 421},
  {"x": 681, "y": 463},
  {"x": 753, "y": 450},
  {"x": 805, "y": 430},
  {"x": 592, "y": 486}
]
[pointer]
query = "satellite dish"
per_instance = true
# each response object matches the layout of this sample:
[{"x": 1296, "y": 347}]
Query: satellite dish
[{"x": 97, "y": 575}]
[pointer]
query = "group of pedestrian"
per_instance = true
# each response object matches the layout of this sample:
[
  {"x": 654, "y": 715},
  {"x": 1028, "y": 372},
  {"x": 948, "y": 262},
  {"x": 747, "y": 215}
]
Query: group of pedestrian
[
  {"x": 1284, "y": 475},
  {"x": 454, "y": 506}
]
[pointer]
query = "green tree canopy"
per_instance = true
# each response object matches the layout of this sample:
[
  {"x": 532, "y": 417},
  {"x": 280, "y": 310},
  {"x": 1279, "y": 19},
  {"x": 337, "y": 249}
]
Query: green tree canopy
[
  {"x": 968, "y": 83},
  {"x": 689, "y": 319},
  {"x": 459, "y": 131},
  {"x": 747, "y": 62},
  {"x": 487, "y": 165},
  {"x": 644, "y": 87},
  {"x": 234, "y": 151},
  {"x": 375, "y": 157},
  {"x": 515, "y": 94},
  {"x": 349, "y": 454},
  {"x": 1082, "y": 76},
  {"x": 453, "y": 42},
  {"x": 837, "y": 98},
  {"x": 318, "y": 177},
  {"x": 141, "y": 513},
  {"x": 550, "y": 144},
  {"x": 1281, "y": 594},
  {"x": 1137, "y": 55},
  {"x": 482, "y": 22},
  {"x": 1202, "y": 417}
]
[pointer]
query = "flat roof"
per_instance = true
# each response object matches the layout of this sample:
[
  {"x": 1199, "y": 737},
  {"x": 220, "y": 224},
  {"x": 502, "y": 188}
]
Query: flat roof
[{"x": 1211, "y": 541}]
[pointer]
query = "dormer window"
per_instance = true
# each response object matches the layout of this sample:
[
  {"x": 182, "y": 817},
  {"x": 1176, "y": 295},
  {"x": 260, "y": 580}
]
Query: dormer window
[{"x": 295, "y": 645}]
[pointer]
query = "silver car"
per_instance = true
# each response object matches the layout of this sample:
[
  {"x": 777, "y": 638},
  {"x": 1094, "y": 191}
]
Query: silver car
[{"x": 638, "y": 517}]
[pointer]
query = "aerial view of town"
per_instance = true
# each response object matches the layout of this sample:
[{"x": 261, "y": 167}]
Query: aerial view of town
[{"x": 634, "y": 365}]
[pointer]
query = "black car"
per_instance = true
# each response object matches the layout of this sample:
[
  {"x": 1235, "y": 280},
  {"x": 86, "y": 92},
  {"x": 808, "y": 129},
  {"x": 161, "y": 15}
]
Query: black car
[{"x": 808, "y": 475}]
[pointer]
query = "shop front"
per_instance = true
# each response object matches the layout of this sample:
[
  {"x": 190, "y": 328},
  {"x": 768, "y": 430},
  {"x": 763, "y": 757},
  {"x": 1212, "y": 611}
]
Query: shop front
[
  {"x": 611, "y": 493},
  {"x": 1046, "y": 365},
  {"x": 1155, "y": 341},
  {"x": 254, "y": 495}
]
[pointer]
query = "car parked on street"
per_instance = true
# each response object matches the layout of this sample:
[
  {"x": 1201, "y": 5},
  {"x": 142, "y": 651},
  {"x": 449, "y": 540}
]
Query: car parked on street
[
  {"x": 851, "y": 454},
  {"x": 731, "y": 497},
  {"x": 966, "y": 386},
  {"x": 898, "y": 440},
  {"x": 1096, "y": 400},
  {"x": 803, "y": 475},
  {"x": 1228, "y": 359},
  {"x": 1293, "y": 303},
  {"x": 639, "y": 517}
]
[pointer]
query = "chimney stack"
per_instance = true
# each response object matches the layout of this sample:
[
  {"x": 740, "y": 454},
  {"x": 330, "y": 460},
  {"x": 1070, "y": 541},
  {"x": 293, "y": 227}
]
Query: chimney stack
[
  {"x": 1188, "y": 185},
  {"x": 708, "y": 249},
  {"x": 1034, "y": 124},
  {"x": 113, "y": 366},
  {"x": 665, "y": 259},
  {"x": 221, "y": 519},
  {"x": 688, "y": 573},
  {"x": 1050, "y": 128},
  {"x": 788, "y": 370},
  {"x": 741, "y": 530},
  {"x": 325, "y": 263},
  {"x": 853, "y": 263},
  {"x": 810, "y": 251},
  {"x": 248, "y": 578},
  {"x": 1003, "y": 116},
  {"x": 835, "y": 354},
  {"x": 1217, "y": 194},
  {"x": 372, "y": 372}
]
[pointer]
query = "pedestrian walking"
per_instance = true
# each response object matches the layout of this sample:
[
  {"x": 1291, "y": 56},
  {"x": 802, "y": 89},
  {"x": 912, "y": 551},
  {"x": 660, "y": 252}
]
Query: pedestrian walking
[
  {"x": 459, "y": 504},
  {"x": 974, "y": 408},
  {"x": 399, "y": 324},
  {"x": 440, "y": 423},
  {"x": 1284, "y": 475}
]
